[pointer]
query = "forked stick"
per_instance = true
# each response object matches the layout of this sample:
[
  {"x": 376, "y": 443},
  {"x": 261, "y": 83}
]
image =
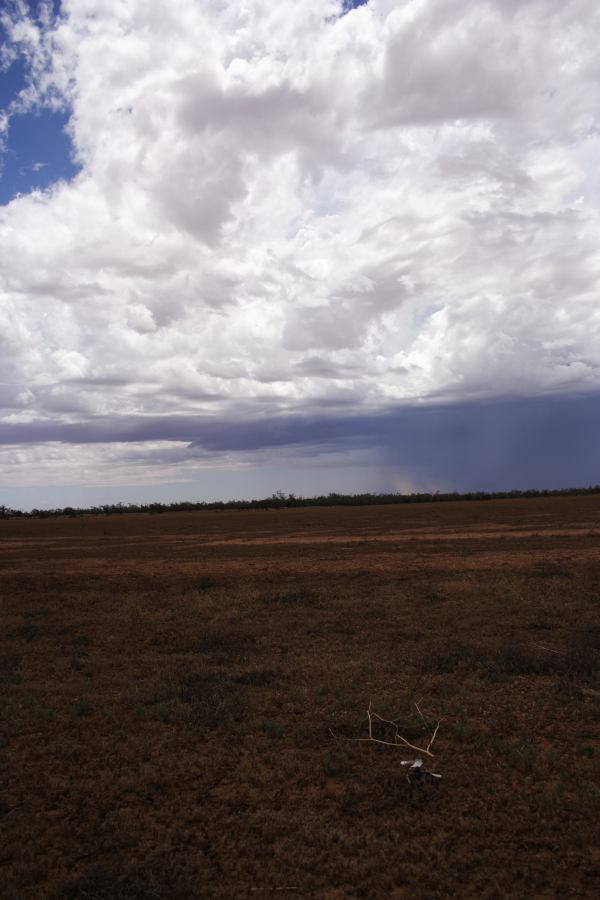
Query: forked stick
[{"x": 397, "y": 737}]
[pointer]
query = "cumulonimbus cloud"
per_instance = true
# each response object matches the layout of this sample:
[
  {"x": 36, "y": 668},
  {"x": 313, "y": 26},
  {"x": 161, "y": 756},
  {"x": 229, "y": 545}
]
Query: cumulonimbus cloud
[{"x": 284, "y": 209}]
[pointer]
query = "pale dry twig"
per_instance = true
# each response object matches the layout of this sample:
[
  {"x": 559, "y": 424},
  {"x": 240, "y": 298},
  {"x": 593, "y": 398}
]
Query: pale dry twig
[{"x": 399, "y": 740}]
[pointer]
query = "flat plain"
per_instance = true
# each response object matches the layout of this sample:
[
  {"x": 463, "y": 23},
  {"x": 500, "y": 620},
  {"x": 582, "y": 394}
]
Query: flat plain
[{"x": 184, "y": 703}]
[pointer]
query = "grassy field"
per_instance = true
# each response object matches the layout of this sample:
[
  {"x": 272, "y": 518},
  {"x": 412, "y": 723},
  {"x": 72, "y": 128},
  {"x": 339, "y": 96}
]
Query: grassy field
[{"x": 182, "y": 698}]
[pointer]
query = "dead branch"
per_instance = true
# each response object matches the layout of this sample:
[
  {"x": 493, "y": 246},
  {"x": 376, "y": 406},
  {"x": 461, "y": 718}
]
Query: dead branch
[
  {"x": 418, "y": 708},
  {"x": 547, "y": 649},
  {"x": 590, "y": 692},
  {"x": 399, "y": 740}
]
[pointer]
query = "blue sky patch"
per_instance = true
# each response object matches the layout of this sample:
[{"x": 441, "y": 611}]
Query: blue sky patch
[
  {"x": 353, "y": 4},
  {"x": 36, "y": 150},
  {"x": 37, "y": 154}
]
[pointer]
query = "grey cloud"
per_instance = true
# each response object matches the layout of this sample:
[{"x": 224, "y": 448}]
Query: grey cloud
[
  {"x": 341, "y": 323},
  {"x": 319, "y": 367},
  {"x": 275, "y": 119},
  {"x": 327, "y": 326},
  {"x": 534, "y": 442},
  {"x": 438, "y": 69},
  {"x": 518, "y": 443},
  {"x": 201, "y": 205},
  {"x": 483, "y": 160},
  {"x": 524, "y": 423},
  {"x": 100, "y": 381},
  {"x": 211, "y": 434},
  {"x": 376, "y": 289},
  {"x": 368, "y": 212}
]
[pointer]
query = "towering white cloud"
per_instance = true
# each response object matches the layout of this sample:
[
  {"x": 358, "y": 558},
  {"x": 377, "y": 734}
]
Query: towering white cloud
[{"x": 284, "y": 209}]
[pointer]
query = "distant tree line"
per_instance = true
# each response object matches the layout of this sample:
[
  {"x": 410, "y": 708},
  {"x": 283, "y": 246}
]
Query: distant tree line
[{"x": 280, "y": 500}]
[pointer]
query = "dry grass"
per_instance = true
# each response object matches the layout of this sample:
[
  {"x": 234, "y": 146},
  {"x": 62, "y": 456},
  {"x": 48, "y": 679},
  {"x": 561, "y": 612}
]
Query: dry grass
[{"x": 168, "y": 700}]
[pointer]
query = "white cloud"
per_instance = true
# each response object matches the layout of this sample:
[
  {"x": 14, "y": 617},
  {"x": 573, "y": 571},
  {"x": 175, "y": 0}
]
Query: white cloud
[{"x": 290, "y": 209}]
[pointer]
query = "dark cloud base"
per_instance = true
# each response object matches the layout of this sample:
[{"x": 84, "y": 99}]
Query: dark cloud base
[
  {"x": 550, "y": 441},
  {"x": 513, "y": 444}
]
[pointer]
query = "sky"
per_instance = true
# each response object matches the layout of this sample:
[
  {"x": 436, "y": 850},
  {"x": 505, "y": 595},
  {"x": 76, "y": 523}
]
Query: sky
[{"x": 249, "y": 246}]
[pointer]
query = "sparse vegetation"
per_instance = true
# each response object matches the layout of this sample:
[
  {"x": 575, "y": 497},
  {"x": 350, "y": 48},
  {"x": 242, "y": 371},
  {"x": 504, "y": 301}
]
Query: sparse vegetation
[
  {"x": 281, "y": 500},
  {"x": 169, "y": 694},
  {"x": 580, "y": 657},
  {"x": 289, "y": 597},
  {"x": 271, "y": 727},
  {"x": 81, "y": 708}
]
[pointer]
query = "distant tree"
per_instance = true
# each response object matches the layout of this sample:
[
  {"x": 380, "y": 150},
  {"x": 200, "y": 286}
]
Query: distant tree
[{"x": 280, "y": 500}]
